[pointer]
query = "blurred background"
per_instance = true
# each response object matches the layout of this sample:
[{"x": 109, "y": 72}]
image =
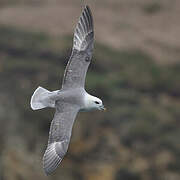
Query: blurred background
[{"x": 135, "y": 70}]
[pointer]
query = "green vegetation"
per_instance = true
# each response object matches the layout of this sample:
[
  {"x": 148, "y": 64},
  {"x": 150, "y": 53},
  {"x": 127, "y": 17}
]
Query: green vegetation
[
  {"x": 153, "y": 7},
  {"x": 141, "y": 124}
]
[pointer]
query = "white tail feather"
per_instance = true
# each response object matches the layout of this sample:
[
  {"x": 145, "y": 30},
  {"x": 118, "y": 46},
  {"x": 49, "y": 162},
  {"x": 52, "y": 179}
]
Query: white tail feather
[{"x": 41, "y": 98}]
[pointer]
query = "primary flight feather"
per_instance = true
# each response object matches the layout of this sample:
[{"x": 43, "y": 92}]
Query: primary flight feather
[{"x": 72, "y": 97}]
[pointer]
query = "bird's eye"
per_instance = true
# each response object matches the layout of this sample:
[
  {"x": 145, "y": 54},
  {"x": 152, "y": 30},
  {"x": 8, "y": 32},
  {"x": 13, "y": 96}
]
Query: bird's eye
[
  {"x": 87, "y": 59},
  {"x": 97, "y": 102}
]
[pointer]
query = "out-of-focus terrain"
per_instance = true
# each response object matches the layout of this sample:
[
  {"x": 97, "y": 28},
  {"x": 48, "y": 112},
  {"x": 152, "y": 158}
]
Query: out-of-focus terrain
[
  {"x": 135, "y": 70},
  {"x": 150, "y": 25}
]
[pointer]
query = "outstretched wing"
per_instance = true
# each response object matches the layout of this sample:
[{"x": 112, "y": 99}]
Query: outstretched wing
[
  {"x": 80, "y": 59},
  {"x": 59, "y": 135}
]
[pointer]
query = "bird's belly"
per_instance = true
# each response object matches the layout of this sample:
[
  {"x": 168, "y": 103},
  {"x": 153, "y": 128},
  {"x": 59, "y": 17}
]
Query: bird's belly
[
  {"x": 87, "y": 109},
  {"x": 72, "y": 96}
]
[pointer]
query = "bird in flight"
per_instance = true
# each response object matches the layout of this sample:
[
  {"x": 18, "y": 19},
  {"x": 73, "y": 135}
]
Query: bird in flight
[{"x": 72, "y": 97}]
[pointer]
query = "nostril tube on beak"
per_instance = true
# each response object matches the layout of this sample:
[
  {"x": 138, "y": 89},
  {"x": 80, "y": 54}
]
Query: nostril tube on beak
[{"x": 103, "y": 108}]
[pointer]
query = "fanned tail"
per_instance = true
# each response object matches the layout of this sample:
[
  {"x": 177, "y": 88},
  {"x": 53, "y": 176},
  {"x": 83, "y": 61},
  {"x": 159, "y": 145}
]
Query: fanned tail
[{"x": 41, "y": 98}]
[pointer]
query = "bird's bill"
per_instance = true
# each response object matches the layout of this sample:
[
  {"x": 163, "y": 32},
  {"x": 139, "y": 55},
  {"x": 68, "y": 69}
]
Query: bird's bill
[{"x": 103, "y": 108}]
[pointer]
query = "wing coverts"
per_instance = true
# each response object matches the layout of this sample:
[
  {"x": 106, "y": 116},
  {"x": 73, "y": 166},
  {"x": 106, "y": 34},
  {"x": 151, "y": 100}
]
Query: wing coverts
[
  {"x": 80, "y": 59},
  {"x": 59, "y": 135}
]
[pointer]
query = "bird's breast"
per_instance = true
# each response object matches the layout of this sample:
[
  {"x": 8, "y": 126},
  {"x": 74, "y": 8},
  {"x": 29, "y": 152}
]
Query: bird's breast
[{"x": 74, "y": 96}]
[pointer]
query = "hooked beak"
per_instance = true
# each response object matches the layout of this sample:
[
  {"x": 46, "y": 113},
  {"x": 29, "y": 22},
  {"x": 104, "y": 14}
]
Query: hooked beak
[{"x": 102, "y": 108}]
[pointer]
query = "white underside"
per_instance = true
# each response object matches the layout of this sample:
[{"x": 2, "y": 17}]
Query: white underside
[{"x": 43, "y": 98}]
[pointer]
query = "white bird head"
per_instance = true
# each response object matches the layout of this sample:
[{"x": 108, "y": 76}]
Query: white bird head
[{"x": 93, "y": 103}]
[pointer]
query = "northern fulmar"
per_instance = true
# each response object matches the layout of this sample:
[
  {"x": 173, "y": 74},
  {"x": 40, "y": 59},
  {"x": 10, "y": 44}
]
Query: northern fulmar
[{"x": 72, "y": 97}]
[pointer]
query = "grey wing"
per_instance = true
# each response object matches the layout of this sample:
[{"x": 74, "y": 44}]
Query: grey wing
[
  {"x": 59, "y": 135},
  {"x": 80, "y": 59}
]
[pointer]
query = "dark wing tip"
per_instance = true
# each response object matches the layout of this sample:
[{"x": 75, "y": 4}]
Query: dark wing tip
[
  {"x": 51, "y": 159},
  {"x": 83, "y": 29},
  {"x": 87, "y": 8}
]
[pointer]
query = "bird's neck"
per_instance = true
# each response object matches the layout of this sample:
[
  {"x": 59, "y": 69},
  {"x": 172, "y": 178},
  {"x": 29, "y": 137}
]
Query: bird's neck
[{"x": 88, "y": 102}]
